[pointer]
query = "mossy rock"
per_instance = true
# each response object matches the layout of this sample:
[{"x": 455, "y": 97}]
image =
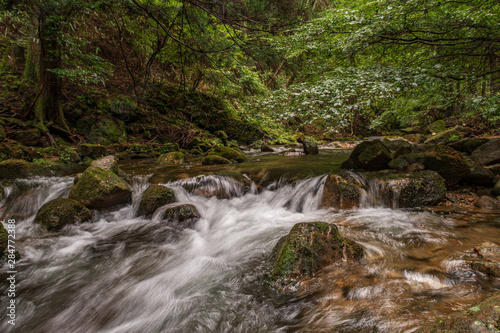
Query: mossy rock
[
  {"x": 92, "y": 151},
  {"x": 488, "y": 153},
  {"x": 228, "y": 153},
  {"x": 182, "y": 216},
  {"x": 30, "y": 137},
  {"x": 153, "y": 198},
  {"x": 397, "y": 147},
  {"x": 11, "y": 169},
  {"x": 482, "y": 317},
  {"x": 173, "y": 158},
  {"x": 3, "y": 238},
  {"x": 196, "y": 151},
  {"x": 445, "y": 137},
  {"x": 468, "y": 145},
  {"x": 341, "y": 191},
  {"x": 436, "y": 127},
  {"x": 98, "y": 188},
  {"x": 309, "y": 247},
  {"x": 478, "y": 174},
  {"x": 109, "y": 163},
  {"x": 310, "y": 148},
  {"x": 214, "y": 160},
  {"x": 57, "y": 213},
  {"x": 107, "y": 131},
  {"x": 445, "y": 160},
  {"x": 368, "y": 155}
]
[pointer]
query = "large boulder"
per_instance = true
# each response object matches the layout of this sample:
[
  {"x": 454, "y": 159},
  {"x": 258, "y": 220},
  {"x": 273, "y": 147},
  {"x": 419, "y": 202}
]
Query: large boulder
[
  {"x": 98, "y": 188},
  {"x": 109, "y": 162},
  {"x": 172, "y": 158},
  {"x": 478, "y": 174},
  {"x": 57, "y": 213},
  {"x": 3, "y": 238},
  {"x": 153, "y": 198},
  {"x": 341, "y": 191},
  {"x": 482, "y": 317},
  {"x": 445, "y": 160},
  {"x": 310, "y": 148},
  {"x": 214, "y": 160},
  {"x": 308, "y": 248},
  {"x": 368, "y": 155},
  {"x": 11, "y": 169},
  {"x": 107, "y": 131},
  {"x": 397, "y": 147},
  {"x": 468, "y": 145},
  {"x": 92, "y": 151},
  {"x": 445, "y": 136},
  {"x": 228, "y": 153},
  {"x": 488, "y": 153},
  {"x": 182, "y": 216}
]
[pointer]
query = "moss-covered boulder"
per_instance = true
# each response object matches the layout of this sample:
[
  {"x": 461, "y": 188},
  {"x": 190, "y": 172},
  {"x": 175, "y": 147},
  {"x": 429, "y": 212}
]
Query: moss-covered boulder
[
  {"x": 309, "y": 247},
  {"x": 107, "y": 131},
  {"x": 444, "y": 136},
  {"x": 397, "y": 147},
  {"x": 109, "y": 163},
  {"x": 214, "y": 160},
  {"x": 11, "y": 169},
  {"x": 98, "y": 188},
  {"x": 92, "y": 151},
  {"x": 173, "y": 158},
  {"x": 57, "y": 213},
  {"x": 468, "y": 145},
  {"x": 445, "y": 160},
  {"x": 341, "y": 191},
  {"x": 228, "y": 153},
  {"x": 368, "y": 155},
  {"x": 488, "y": 153},
  {"x": 3, "y": 238},
  {"x": 478, "y": 174},
  {"x": 482, "y": 317},
  {"x": 182, "y": 216},
  {"x": 153, "y": 198},
  {"x": 436, "y": 127},
  {"x": 310, "y": 148}
]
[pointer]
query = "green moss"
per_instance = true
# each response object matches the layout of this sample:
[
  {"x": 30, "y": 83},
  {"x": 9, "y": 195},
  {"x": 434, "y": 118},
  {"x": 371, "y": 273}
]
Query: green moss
[
  {"x": 57, "y": 213},
  {"x": 228, "y": 153},
  {"x": 214, "y": 160},
  {"x": 98, "y": 188},
  {"x": 153, "y": 198},
  {"x": 11, "y": 169}
]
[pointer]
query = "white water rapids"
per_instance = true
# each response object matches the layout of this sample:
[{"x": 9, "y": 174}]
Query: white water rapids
[{"x": 125, "y": 274}]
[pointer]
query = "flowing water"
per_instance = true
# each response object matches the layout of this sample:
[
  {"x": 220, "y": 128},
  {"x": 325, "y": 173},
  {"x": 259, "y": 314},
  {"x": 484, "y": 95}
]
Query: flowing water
[{"x": 125, "y": 273}]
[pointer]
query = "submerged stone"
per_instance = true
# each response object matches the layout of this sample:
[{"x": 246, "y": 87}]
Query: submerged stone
[
  {"x": 98, "y": 188},
  {"x": 153, "y": 198},
  {"x": 172, "y": 158},
  {"x": 183, "y": 215},
  {"x": 308, "y": 248},
  {"x": 57, "y": 213}
]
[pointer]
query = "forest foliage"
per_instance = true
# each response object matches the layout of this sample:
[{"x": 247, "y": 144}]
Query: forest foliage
[{"x": 341, "y": 67}]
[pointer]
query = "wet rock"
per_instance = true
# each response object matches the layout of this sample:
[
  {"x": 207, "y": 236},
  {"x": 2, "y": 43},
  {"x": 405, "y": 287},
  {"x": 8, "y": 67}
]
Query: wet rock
[
  {"x": 29, "y": 137},
  {"x": 57, "y": 213},
  {"x": 368, "y": 155},
  {"x": 488, "y": 202},
  {"x": 98, "y": 188},
  {"x": 293, "y": 153},
  {"x": 468, "y": 145},
  {"x": 172, "y": 158},
  {"x": 214, "y": 160},
  {"x": 436, "y": 127},
  {"x": 228, "y": 153},
  {"x": 482, "y": 317},
  {"x": 488, "y": 153},
  {"x": 265, "y": 148},
  {"x": 444, "y": 136},
  {"x": 308, "y": 248},
  {"x": 341, "y": 191},
  {"x": 445, "y": 160},
  {"x": 109, "y": 163},
  {"x": 92, "y": 151},
  {"x": 153, "y": 198},
  {"x": 3, "y": 238},
  {"x": 11, "y": 169},
  {"x": 310, "y": 148},
  {"x": 183, "y": 215},
  {"x": 397, "y": 147}
]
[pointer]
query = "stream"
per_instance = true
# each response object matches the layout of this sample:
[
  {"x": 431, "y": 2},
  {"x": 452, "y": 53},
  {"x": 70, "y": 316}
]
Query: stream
[{"x": 123, "y": 273}]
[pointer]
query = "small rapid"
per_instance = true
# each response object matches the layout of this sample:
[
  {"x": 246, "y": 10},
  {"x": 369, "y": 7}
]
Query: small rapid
[{"x": 127, "y": 273}]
